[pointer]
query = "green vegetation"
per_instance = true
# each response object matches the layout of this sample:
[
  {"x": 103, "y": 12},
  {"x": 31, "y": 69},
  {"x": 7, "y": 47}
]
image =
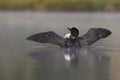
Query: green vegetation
[{"x": 61, "y": 5}]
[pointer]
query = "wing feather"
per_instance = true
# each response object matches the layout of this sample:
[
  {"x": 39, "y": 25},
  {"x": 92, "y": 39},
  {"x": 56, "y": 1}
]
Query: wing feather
[
  {"x": 48, "y": 37},
  {"x": 95, "y": 34}
]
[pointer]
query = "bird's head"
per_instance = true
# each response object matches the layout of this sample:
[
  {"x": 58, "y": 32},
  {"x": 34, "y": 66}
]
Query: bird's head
[{"x": 74, "y": 32}]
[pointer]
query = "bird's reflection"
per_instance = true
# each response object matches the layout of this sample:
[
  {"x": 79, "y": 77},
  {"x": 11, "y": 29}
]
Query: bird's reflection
[
  {"x": 74, "y": 63},
  {"x": 71, "y": 56}
]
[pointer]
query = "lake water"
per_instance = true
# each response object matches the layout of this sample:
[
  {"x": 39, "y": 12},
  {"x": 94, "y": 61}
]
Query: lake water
[{"x": 25, "y": 60}]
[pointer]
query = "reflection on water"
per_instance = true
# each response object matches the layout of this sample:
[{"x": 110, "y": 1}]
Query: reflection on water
[
  {"x": 24, "y": 60},
  {"x": 71, "y": 64}
]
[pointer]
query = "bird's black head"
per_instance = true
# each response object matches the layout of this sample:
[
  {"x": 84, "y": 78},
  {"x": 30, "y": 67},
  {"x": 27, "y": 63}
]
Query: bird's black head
[{"x": 74, "y": 32}]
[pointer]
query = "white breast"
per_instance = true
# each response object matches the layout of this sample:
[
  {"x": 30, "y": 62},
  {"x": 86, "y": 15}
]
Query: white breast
[{"x": 67, "y": 35}]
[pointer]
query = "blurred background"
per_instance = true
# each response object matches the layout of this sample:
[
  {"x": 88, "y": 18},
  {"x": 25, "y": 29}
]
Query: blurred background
[
  {"x": 24, "y": 60},
  {"x": 61, "y": 5}
]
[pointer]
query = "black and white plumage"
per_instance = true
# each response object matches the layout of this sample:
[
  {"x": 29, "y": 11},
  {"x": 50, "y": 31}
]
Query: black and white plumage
[{"x": 72, "y": 39}]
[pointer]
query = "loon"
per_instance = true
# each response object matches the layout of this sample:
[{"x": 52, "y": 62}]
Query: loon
[{"x": 71, "y": 39}]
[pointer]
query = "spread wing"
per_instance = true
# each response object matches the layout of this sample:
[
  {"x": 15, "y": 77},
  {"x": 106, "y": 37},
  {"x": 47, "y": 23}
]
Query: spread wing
[
  {"x": 48, "y": 37},
  {"x": 94, "y": 34}
]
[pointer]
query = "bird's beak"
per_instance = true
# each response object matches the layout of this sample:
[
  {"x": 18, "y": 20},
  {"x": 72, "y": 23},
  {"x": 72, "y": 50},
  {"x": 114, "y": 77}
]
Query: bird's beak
[{"x": 69, "y": 29}]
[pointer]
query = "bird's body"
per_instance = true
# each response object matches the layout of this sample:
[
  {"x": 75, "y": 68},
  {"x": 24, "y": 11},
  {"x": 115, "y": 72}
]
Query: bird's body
[{"x": 71, "y": 39}]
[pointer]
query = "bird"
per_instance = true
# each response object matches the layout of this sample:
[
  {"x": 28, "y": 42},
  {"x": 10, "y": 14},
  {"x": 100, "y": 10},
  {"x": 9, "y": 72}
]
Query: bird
[{"x": 71, "y": 39}]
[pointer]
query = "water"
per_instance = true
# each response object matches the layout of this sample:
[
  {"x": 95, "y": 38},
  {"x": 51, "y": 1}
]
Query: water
[{"x": 25, "y": 60}]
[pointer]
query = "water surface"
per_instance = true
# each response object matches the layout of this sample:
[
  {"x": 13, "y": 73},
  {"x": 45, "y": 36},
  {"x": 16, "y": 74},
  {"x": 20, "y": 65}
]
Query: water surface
[{"x": 25, "y": 60}]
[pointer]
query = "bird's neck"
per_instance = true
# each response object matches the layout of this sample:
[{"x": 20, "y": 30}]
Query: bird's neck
[
  {"x": 72, "y": 37},
  {"x": 69, "y": 36}
]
